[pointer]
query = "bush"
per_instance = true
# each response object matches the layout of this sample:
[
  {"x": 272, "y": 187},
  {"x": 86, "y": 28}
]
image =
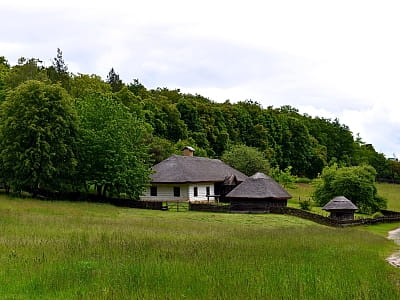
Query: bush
[
  {"x": 377, "y": 214},
  {"x": 306, "y": 204},
  {"x": 284, "y": 177}
]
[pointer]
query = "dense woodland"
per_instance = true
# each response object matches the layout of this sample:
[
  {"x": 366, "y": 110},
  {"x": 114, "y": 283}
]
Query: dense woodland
[{"x": 74, "y": 132}]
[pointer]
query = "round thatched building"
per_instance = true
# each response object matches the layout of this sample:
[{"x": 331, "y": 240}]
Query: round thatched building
[{"x": 341, "y": 208}]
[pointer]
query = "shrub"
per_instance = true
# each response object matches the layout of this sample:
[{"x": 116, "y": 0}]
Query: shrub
[
  {"x": 377, "y": 214},
  {"x": 306, "y": 204},
  {"x": 284, "y": 177}
]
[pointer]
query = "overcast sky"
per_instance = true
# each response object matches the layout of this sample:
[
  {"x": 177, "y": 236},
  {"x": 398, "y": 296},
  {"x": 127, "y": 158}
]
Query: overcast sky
[{"x": 327, "y": 58}]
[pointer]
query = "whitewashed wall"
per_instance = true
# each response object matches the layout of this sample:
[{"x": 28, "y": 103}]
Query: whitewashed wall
[
  {"x": 165, "y": 192},
  {"x": 201, "y": 191}
]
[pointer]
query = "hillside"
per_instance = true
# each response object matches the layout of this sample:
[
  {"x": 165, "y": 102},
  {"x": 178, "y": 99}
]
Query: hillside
[{"x": 71, "y": 132}]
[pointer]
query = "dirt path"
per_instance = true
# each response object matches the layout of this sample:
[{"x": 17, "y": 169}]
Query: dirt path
[{"x": 394, "y": 259}]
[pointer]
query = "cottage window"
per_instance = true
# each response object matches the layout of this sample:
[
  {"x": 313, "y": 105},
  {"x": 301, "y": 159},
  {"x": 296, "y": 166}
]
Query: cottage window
[
  {"x": 207, "y": 190},
  {"x": 177, "y": 191},
  {"x": 195, "y": 191},
  {"x": 153, "y": 191}
]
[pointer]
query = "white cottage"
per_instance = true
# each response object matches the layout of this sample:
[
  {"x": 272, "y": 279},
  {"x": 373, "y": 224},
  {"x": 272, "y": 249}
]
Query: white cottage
[{"x": 189, "y": 178}]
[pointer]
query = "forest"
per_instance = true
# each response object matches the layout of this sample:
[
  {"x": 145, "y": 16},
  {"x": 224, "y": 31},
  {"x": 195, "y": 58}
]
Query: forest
[{"x": 68, "y": 132}]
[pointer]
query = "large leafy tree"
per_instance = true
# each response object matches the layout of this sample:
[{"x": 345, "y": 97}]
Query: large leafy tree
[
  {"x": 26, "y": 69},
  {"x": 38, "y": 134},
  {"x": 247, "y": 160},
  {"x": 113, "y": 154},
  {"x": 356, "y": 183},
  {"x": 83, "y": 84}
]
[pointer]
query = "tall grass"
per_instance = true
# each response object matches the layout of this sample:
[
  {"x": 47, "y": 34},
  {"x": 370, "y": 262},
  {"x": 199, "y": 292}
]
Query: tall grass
[
  {"x": 392, "y": 193},
  {"x": 62, "y": 250}
]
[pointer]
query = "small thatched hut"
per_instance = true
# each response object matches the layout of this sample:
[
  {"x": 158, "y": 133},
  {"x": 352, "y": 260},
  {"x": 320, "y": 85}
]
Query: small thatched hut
[
  {"x": 341, "y": 208},
  {"x": 257, "y": 193}
]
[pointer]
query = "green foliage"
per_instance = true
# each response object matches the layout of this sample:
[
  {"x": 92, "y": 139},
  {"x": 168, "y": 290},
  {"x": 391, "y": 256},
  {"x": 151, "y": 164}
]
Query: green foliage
[
  {"x": 355, "y": 183},
  {"x": 284, "y": 177},
  {"x": 132, "y": 102},
  {"x": 113, "y": 154},
  {"x": 366, "y": 154},
  {"x": 83, "y": 84},
  {"x": 178, "y": 147},
  {"x": 305, "y": 204},
  {"x": 114, "y": 81},
  {"x": 377, "y": 214},
  {"x": 160, "y": 148},
  {"x": 4, "y": 69},
  {"x": 303, "y": 180},
  {"x": 284, "y": 136},
  {"x": 296, "y": 146},
  {"x": 30, "y": 69},
  {"x": 247, "y": 160},
  {"x": 38, "y": 136},
  {"x": 58, "y": 72}
]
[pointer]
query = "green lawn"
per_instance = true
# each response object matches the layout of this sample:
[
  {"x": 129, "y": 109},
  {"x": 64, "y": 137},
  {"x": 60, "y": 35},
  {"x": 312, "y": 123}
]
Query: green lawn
[
  {"x": 64, "y": 250},
  {"x": 392, "y": 193}
]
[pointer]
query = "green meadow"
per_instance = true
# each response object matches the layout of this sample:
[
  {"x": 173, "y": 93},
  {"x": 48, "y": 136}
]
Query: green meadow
[{"x": 68, "y": 250}]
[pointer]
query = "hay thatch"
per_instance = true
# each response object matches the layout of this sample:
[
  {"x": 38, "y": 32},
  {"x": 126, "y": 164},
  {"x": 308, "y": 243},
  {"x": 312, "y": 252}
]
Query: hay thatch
[
  {"x": 340, "y": 203},
  {"x": 185, "y": 169},
  {"x": 259, "y": 186}
]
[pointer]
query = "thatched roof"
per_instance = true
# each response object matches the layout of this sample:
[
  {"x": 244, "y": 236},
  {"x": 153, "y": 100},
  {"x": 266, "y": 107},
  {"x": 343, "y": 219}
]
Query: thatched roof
[
  {"x": 259, "y": 186},
  {"x": 340, "y": 203},
  {"x": 185, "y": 169},
  {"x": 230, "y": 180}
]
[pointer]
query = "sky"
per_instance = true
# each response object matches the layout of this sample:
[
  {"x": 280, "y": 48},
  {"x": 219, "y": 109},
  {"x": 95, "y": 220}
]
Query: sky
[{"x": 333, "y": 59}]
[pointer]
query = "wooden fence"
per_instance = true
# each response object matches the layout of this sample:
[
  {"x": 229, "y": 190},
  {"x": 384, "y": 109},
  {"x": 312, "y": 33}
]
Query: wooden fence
[{"x": 389, "y": 216}]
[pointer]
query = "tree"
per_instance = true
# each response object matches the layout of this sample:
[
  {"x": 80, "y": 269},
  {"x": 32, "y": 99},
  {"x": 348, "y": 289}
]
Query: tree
[
  {"x": 38, "y": 136},
  {"x": 58, "y": 72},
  {"x": 365, "y": 154},
  {"x": 83, "y": 84},
  {"x": 27, "y": 69},
  {"x": 113, "y": 154},
  {"x": 4, "y": 69},
  {"x": 130, "y": 100},
  {"x": 296, "y": 146},
  {"x": 355, "y": 183},
  {"x": 114, "y": 81},
  {"x": 138, "y": 89},
  {"x": 246, "y": 159},
  {"x": 160, "y": 148}
]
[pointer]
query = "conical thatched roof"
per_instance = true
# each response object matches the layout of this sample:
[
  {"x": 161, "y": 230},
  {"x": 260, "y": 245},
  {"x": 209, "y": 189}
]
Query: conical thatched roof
[
  {"x": 259, "y": 186},
  {"x": 340, "y": 203},
  {"x": 185, "y": 169}
]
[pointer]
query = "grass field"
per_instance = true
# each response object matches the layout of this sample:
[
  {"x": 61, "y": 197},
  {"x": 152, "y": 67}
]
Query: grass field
[{"x": 64, "y": 250}]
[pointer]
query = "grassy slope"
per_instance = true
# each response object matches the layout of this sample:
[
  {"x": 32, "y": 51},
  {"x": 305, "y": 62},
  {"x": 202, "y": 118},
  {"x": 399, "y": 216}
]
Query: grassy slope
[{"x": 77, "y": 250}]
